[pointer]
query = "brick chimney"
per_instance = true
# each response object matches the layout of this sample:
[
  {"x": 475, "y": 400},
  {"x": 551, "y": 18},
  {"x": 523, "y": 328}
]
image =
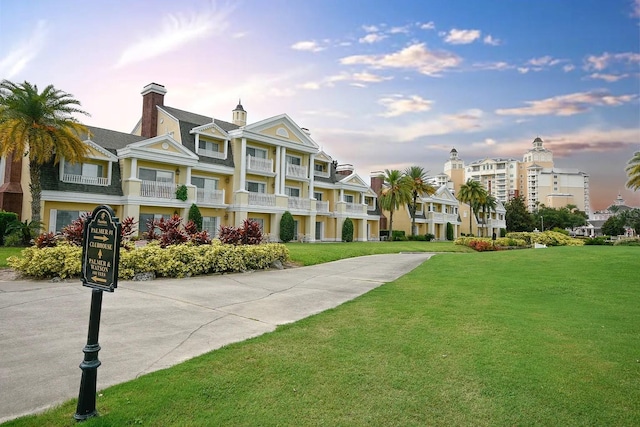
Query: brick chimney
[
  {"x": 345, "y": 169},
  {"x": 152, "y": 96},
  {"x": 377, "y": 179}
]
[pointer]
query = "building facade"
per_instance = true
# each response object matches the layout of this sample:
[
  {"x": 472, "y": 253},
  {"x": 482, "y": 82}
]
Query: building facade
[{"x": 232, "y": 171}]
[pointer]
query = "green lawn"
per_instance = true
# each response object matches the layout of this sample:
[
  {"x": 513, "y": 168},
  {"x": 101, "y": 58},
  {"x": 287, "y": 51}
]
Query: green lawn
[
  {"x": 6, "y": 252},
  {"x": 545, "y": 337}
]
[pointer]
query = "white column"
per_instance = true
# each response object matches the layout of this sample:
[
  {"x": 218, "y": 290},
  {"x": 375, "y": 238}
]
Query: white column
[
  {"x": 109, "y": 169},
  {"x": 342, "y": 194},
  {"x": 243, "y": 164},
  {"x": 283, "y": 167},
  {"x": 312, "y": 158},
  {"x": 188, "y": 175},
  {"x": 134, "y": 168},
  {"x": 278, "y": 189}
]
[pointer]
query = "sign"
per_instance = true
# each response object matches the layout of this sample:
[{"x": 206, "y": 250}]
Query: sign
[{"x": 101, "y": 250}]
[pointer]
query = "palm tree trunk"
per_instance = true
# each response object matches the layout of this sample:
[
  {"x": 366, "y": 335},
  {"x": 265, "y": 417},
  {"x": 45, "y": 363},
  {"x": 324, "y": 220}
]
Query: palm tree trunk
[
  {"x": 470, "y": 215},
  {"x": 391, "y": 225},
  {"x": 35, "y": 187},
  {"x": 413, "y": 214}
]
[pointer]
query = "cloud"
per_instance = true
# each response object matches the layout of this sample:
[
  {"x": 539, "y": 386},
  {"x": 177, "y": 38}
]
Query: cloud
[
  {"x": 372, "y": 38},
  {"x": 369, "y": 77},
  {"x": 357, "y": 79},
  {"x": 488, "y": 39},
  {"x": 399, "y": 30},
  {"x": 599, "y": 63},
  {"x": 568, "y": 67},
  {"x": 370, "y": 28},
  {"x": 489, "y": 141},
  {"x": 466, "y": 121},
  {"x": 635, "y": 13},
  {"x": 24, "y": 52},
  {"x": 309, "y": 46},
  {"x": 415, "y": 56},
  {"x": 398, "y": 105},
  {"x": 568, "y": 105},
  {"x": 543, "y": 60},
  {"x": 499, "y": 66},
  {"x": 176, "y": 30},
  {"x": 591, "y": 140},
  {"x": 456, "y": 36},
  {"x": 608, "y": 77},
  {"x": 523, "y": 70},
  {"x": 429, "y": 25}
]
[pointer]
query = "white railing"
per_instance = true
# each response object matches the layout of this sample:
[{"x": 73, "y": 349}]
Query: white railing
[
  {"x": 354, "y": 208},
  {"x": 296, "y": 171},
  {"x": 160, "y": 190},
  {"x": 420, "y": 212},
  {"x": 260, "y": 165},
  {"x": 321, "y": 174},
  {"x": 262, "y": 199},
  {"x": 322, "y": 207},
  {"x": 82, "y": 179},
  {"x": 209, "y": 196},
  {"x": 299, "y": 203},
  {"x": 211, "y": 153}
]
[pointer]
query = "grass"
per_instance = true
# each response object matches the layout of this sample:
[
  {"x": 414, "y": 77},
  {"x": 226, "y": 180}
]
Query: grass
[
  {"x": 529, "y": 337},
  {"x": 6, "y": 252},
  {"x": 317, "y": 253}
]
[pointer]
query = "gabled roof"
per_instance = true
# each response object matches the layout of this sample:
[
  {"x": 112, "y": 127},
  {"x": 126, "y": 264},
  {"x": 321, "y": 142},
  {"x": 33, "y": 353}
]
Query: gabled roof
[
  {"x": 110, "y": 139},
  {"x": 161, "y": 148},
  {"x": 323, "y": 157},
  {"x": 354, "y": 181},
  {"x": 280, "y": 130}
]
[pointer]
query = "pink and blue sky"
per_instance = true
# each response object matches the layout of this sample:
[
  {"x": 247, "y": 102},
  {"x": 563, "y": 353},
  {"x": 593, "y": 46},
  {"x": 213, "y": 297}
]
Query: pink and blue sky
[{"x": 380, "y": 84}]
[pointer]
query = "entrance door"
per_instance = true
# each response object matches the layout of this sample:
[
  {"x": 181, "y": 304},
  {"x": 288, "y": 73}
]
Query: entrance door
[{"x": 318, "y": 230}]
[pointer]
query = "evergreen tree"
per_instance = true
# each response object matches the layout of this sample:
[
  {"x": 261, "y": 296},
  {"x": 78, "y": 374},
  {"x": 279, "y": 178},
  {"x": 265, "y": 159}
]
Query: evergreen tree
[
  {"x": 614, "y": 226},
  {"x": 286, "y": 227},
  {"x": 195, "y": 216},
  {"x": 347, "y": 230},
  {"x": 517, "y": 216}
]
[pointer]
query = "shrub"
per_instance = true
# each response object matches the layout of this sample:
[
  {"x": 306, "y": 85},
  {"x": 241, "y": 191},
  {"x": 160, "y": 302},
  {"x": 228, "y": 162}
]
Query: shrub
[
  {"x": 560, "y": 230},
  {"x": 503, "y": 232},
  {"x": 634, "y": 241},
  {"x": 171, "y": 233},
  {"x": 548, "y": 238},
  {"x": 63, "y": 260},
  {"x": 398, "y": 235},
  {"x": 46, "y": 240},
  {"x": 417, "y": 238},
  {"x": 195, "y": 216},
  {"x": 25, "y": 230},
  {"x": 450, "y": 235},
  {"x": 248, "y": 234},
  {"x": 6, "y": 218},
  {"x": 182, "y": 193},
  {"x": 481, "y": 245},
  {"x": 286, "y": 227},
  {"x": 429, "y": 237},
  {"x": 596, "y": 241},
  {"x": 347, "y": 230}
]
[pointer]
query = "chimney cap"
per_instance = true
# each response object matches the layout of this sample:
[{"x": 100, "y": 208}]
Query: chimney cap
[{"x": 154, "y": 87}]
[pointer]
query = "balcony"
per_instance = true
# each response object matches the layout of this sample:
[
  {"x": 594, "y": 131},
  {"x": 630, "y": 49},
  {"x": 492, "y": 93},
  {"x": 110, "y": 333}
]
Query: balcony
[
  {"x": 296, "y": 171},
  {"x": 210, "y": 196},
  {"x": 257, "y": 164},
  {"x": 262, "y": 199},
  {"x": 322, "y": 207},
  {"x": 321, "y": 174},
  {"x": 299, "y": 203},
  {"x": 211, "y": 153},
  {"x": 158, "y": 190},
  {"x": 83, "y": 179},
  {"x": 354, "y": 208}
]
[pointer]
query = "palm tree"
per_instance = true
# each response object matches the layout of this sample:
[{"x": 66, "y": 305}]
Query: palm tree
[
  {"x": 488, "y": 204},
  {"x": 471, "y": 193},
  {"x": 395, "y": 192},
  {"x": 39, "y": 125},
  {"x": 418, "y": 186},
  {"x": 633, "y": 171}
]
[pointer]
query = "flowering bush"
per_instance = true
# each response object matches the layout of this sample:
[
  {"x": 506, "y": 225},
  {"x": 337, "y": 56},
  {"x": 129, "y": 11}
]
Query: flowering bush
[
  {"x": 248, "y": 234},
  {"x": 548, "y": 238},
  {"x": 65, "y": 260}
]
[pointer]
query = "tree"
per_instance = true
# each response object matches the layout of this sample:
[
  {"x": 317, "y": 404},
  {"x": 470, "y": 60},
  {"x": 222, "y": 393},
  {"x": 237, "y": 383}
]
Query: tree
[
  {"x": 614, "y": 226},
  {"x": 39, "y": 125},
  {"x": 488, "y": 204},
  {"x": 517, "y": 216},
  {"x": 347, "y": 230},
  {"x": 287, "y": 226},
  {"x": 632, "y": 219},
  {"x": 472, "y": 193},
  {"x": 633, "y": 172},
  {"x": 416, "y": 178},
  {"x": 195, "y": 216},
  {"x": 395, "y": 192}
]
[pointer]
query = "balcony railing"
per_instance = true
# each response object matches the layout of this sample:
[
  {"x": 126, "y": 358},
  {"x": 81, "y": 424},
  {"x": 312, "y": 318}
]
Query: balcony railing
[
  {"x": 83, "y": 179},
  {"x": 299, "y": 203},
  {"x": 321, "y": 174},
  {"x": 262, "y": 199},
  {"x": 159, "y": 190},
  {"x": 210, "y": 196},
  {"x": 296, "y": 171},
  {"x": 322, "y": 207},
  {"x": 258, "y": 164},
  {"x": 211, "y": 153},
  {"x": 354, "y": 208}
]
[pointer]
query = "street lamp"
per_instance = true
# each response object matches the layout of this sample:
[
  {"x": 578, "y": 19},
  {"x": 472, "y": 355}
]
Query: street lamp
[{"x": 542, "y": 220}]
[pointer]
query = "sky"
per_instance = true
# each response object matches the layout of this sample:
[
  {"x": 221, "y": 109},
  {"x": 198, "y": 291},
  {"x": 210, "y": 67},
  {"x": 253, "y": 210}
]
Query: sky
[{"x": 379, "y": 84}]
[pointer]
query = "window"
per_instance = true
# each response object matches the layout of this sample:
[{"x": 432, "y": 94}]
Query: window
[
  {"x": 348, "y": 198},
  {"x": 211, "y": 224},
  {"x": 317, "y": 195},
  {"x": 145, "y": 218},
  {"x": 84, "y": 169},
  {"x": 294, "y": 160},
  {"x": 208, "y": 184},
  {"x": 318, "y": 167},
  {"x": 208, "y": 145},
  {"x": 292, "y": 192},
  {"x": 64, "y": 218},
  {"x": 155, "y": 175},
  {"x": 256, "y": 187},
  {"x": 257, "y": 152}
]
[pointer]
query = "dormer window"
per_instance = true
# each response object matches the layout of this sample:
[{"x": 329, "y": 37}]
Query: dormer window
[{"x": 84, "y": 173}]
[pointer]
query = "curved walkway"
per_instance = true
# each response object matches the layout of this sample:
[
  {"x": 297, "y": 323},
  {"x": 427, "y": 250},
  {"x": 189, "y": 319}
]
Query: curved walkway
[{"x": 147, "y": 326}]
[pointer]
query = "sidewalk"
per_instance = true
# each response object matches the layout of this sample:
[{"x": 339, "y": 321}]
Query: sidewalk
[{"x": 147, "y": 326}]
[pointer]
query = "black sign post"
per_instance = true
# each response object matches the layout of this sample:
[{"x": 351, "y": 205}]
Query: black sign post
[{"x": 100, "y": 257}]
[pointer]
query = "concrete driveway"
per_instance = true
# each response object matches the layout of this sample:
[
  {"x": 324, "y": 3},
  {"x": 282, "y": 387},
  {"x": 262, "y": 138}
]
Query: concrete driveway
[{"x": 147, "y": 326}]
